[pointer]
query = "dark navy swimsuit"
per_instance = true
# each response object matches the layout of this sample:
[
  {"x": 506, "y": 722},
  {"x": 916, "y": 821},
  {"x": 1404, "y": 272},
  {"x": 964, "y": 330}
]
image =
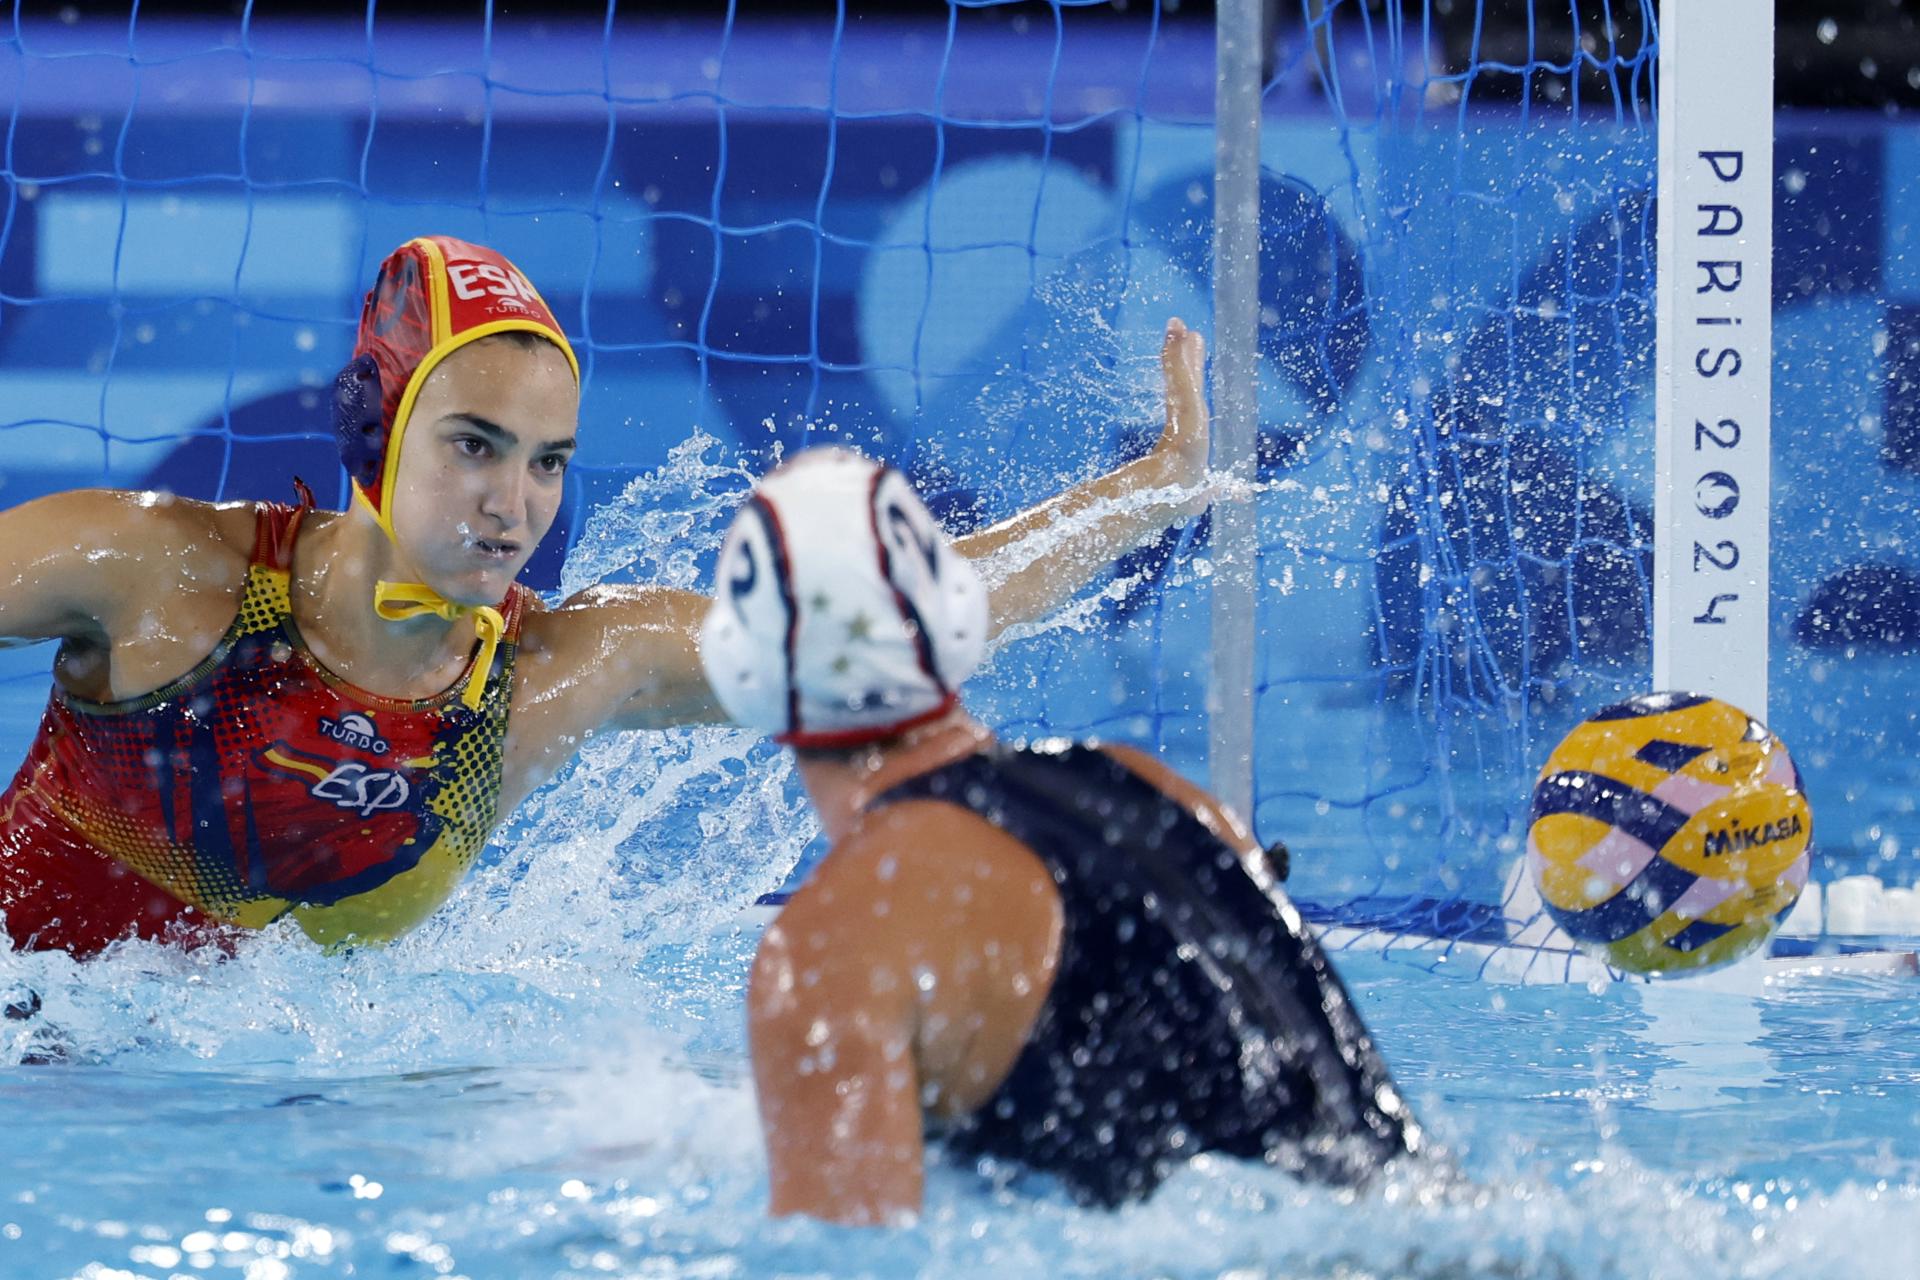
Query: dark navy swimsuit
[{"x": 1192, "y": 1010}]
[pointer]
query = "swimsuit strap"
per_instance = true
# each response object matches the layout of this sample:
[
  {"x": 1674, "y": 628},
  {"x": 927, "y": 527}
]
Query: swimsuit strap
[
  {"x": 276, "y": 526},
  {"x": 514, "y": 609}
]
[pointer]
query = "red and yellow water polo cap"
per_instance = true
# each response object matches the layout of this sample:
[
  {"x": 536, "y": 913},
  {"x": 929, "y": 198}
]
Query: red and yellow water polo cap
[{"x": 434, "y": 295}]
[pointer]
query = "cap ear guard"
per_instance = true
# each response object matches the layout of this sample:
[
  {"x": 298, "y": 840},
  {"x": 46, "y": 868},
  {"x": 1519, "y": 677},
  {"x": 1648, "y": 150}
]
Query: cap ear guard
[
  {"x": 359, "y": 424},
  {"x": 745, "y": 642},
  {"x": 937, "y": 589}
]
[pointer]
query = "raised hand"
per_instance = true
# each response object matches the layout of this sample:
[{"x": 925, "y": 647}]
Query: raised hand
[{"x": 1181, "y": 450}]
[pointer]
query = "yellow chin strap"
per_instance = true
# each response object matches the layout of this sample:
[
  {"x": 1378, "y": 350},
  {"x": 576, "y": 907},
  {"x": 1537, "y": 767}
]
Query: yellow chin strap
[{"x": 401, "y": 601}]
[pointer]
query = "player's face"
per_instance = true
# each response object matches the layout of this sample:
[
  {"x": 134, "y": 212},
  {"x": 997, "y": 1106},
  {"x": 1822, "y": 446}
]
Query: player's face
[{"x": 481, "y": 466}]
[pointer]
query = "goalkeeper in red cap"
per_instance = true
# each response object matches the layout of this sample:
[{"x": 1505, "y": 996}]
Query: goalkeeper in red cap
[{"x": 265, "y": 710}]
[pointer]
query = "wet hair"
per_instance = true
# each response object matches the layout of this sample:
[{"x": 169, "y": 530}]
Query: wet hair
[{"x": 525, "y": 339}]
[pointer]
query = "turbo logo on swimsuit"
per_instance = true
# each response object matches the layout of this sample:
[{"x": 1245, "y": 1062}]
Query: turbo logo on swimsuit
[{"x": 355, "y": 730}]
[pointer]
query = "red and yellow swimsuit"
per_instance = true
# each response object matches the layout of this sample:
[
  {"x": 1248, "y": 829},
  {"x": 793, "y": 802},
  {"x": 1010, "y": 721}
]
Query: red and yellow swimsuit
[{"x": 257, "y": 785}]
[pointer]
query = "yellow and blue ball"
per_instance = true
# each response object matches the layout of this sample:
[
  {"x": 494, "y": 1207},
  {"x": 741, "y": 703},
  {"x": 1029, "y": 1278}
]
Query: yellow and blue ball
[{"x": 1669, "y": 834}]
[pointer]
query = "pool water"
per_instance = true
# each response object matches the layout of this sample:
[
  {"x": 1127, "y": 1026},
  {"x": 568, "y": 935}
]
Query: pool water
[{"x": 487, "y": 1109}]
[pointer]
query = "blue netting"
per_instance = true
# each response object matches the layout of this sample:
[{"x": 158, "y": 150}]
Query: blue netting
[
  {"x": 953, "y": 239},
  {"x": 1476, "y": 496},
  {"x": 1460, "y": 568}
]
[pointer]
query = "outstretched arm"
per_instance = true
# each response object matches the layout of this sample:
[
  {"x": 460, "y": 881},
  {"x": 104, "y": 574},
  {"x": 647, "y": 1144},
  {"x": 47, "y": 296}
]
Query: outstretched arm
[
  {"x": 1035, "y": 561},
  {"x": 629, "y": 656},
  {"x": 633, "y": 652}
]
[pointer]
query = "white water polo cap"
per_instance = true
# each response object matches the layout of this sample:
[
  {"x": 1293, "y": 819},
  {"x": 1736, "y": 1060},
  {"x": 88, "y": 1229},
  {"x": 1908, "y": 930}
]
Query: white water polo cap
[{"x": 841, "y": 614}]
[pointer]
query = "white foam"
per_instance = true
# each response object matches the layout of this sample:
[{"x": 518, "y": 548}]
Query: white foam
[{"x": 1865, "y": 905}]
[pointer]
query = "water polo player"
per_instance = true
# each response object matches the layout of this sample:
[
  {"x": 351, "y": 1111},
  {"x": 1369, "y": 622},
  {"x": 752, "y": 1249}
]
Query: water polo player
[
  {"x": 1059, "y": 955},
  {"x": 263, "y": 711}
]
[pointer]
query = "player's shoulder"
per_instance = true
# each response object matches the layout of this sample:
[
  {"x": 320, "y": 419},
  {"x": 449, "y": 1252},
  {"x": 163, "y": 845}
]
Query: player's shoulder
[
  {"x": 102, "y": 517},
  {"x": 1216, "y": 817},
  {"x": 929, "y": 843},
  {"x": 1134, "y": 758},
  {"x": 157, "y": 509}
]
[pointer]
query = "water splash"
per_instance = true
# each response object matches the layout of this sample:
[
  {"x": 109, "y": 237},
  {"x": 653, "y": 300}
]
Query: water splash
[{"x": 665, "y": 524}]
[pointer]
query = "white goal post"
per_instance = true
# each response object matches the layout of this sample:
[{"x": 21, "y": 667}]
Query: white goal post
[
  {"x": 1239, "y": 42},
  {"x": 1714, "y": 300}
]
